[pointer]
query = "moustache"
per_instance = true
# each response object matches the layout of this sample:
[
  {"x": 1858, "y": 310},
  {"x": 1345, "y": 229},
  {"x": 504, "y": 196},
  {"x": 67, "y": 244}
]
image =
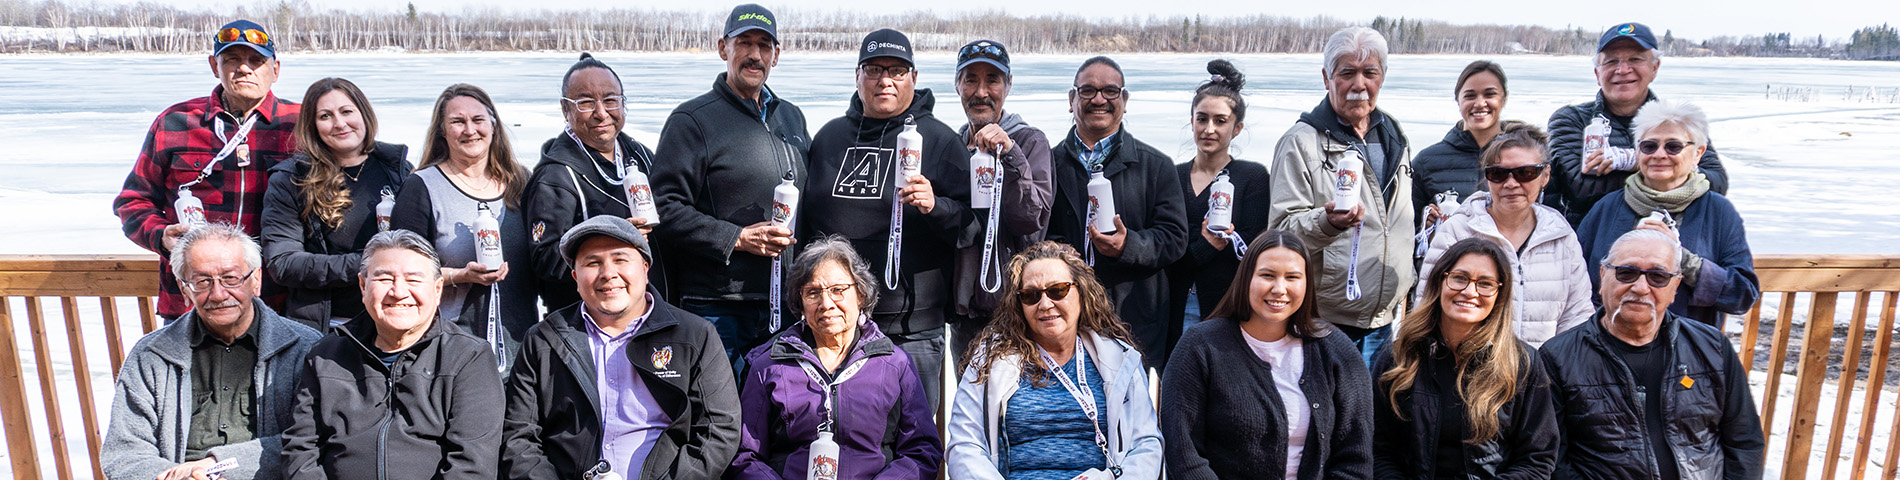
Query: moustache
[
  {"x": 224, "y": 304},
  {"x": 986, "y": 102},
  {"x": 750, "y": 63},
  {"x": 1358, "y": 96}
]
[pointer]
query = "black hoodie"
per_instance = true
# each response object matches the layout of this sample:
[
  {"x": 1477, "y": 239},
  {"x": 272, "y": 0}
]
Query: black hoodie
[
  {"x": 853, "y": 165},
  {"x": 552, "y": 206}
]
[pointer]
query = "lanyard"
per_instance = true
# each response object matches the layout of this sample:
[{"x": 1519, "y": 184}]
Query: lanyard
[
  {"x": 1240, "y": 244},
  {"x": 1084, "y": 396},
  {"x": 830, "y": 388},
  {"x": 777, "y": 288},
  {"x": 620, "y": 164},
  {"x": 495, "y": 339},
  {"x": 1092, "y": 161},
  {"x": 231, "y": 144},
  {"x": 984, "y": 276},
  {"x": 894, "y": 245},
  {"x": 1352, "y": 268}
]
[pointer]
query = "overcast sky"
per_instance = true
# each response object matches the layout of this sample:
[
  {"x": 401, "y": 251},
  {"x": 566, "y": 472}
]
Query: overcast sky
[{"x": 1693, "y": 19}]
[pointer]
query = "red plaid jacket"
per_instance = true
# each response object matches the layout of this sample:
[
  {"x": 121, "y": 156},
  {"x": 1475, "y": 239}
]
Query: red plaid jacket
[{"x": 179, "y": 144}]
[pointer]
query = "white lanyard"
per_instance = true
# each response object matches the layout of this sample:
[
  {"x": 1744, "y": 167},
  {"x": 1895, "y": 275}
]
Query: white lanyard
[
  {"x": 620, "y": 164},
  {"x": 1083, "y": 395},
  {"x": 1092, "y": 162},
  {"x": 831, "y": 388},
  {"x": 231, "y": 144},
  {"x": 1352, "y": 268},
  {"x": 777, "y": 287},
  {"x": 989, "y": 236},
  {"x": 894, "y": 245}
]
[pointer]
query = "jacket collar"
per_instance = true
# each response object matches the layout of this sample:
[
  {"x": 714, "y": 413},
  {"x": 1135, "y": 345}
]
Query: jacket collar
[
  {"x": 790, "y": 343},
  {"x": 267, "y": 106},
  {"x": 1326, "y": 120},
  {"x": 1118, "y": 158},
  {"x": 362, "y": 331},
  {"x": 174, "y": 340},
  {"x": 1460, "y": 139},
  {"x": 873, "y": 130},
  {"x": 565, "y": 150},
  {"x": 1010, "y": 123},
  {"x": 1598, "y": 336},
  {"x": 745, "y": 104},
  {"x": 388, "y": 156},
  {"x": 1551, "y": 225},
  {"x": 1603, "y": 107}
]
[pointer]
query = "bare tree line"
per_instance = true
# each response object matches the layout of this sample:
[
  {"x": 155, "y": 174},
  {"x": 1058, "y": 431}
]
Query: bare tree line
[{"x": 146, "y": 27}]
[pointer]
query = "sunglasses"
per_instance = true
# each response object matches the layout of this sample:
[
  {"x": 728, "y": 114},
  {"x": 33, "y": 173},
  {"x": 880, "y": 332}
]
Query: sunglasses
[
  {"x": 1524, "y": 174},
  {"x": 1656, "y": 278},
  {"x": 1673, "y": 147},
  {"x": 253, "y": 36},
  {"x": 1033, "y": 296},
  {"x": 986, "y": 50}
]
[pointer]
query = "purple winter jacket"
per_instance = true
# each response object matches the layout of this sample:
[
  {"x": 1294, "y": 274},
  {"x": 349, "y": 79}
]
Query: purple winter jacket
[{"x": 884, "y": 427}]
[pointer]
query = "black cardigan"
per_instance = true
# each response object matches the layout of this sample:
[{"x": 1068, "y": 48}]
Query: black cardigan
[
  {"x": 1526, "y": 445},
  {"x": 1218, "y": 427}
]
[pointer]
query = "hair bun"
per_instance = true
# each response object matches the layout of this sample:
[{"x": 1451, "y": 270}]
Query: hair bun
[
  {"x": 1224, "y": 73},
  {"x": 585, "y": 55}
]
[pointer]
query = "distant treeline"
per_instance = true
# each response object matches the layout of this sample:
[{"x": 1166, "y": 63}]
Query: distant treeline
[{"x": 52, "y": 26}]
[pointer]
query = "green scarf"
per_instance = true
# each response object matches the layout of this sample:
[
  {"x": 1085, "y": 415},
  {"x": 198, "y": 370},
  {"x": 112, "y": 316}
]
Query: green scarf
[{"x": 1643, "y": 199}]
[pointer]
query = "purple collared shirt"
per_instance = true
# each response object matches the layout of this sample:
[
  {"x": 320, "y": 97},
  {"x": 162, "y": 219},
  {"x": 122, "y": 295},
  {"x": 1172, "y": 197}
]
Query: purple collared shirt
[{"x": 630, "y": 419}]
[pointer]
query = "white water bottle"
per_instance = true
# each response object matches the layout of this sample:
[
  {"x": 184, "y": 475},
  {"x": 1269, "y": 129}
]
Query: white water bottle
[
  {"x": 640, "y": 196},
  {"x": 784, "y": 202},
  {"x": 1596, "y": 136},
  {"x": 191, "y": 211},
  {"x": 384, "y": 209},
  {"x": 487, "y": 239},
  {"x": 824, "y": 459},
  {"x": 910, "y": 154},
  {"x": 1220, "y": 204},
  {"x": 982, "y": 177},
  {"x": 1101, "y": 203},
  {"x": 1347, "y": 180}
]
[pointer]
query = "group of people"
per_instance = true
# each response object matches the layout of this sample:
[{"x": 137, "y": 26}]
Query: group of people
[{"x": 750, "y": 300}]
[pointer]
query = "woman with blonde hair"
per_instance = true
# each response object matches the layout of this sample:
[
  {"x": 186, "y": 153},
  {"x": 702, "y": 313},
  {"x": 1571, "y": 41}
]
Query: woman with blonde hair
[
  {"x": 1459, "y": 395},
  {"x": 1054, "y": 388}
]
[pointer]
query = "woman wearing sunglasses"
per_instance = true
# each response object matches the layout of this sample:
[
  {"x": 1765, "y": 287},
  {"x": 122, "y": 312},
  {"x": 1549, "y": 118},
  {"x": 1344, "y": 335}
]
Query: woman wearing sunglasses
[
  {"x": 1458, "y": 394},
  {"x": 320, "y": 209},
  {"x": 1451, "y": 165},
  {"x": 1668, "y": 195},
  {"x": 834, "y": 376},
  {"x": 1264, "y": 388},
  {"x": 1054, "y": 387},
  {"x": 1553, "y": 292}
]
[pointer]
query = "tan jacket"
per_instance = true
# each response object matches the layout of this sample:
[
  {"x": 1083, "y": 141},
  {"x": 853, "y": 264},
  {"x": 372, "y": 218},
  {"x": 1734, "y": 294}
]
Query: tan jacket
[{"x": 1303, "y": 166}]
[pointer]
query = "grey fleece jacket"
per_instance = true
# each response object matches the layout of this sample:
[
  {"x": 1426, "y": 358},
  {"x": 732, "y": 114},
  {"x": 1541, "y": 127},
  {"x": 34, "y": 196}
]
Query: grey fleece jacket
[{"x": 151, "y": 402}]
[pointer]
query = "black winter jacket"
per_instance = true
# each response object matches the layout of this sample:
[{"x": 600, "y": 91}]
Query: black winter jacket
[
  {"x": 1712, "y": 426},
  {"x": 298, "y": 252},
  {"x": 552, "y": 205},
  {"x": 553, "y": 416},
  {"x": 853, "y": 164},
  {"x": 1524, "y": 449},
  {"x": 1224, "y": 419},
  {"x": 1449, "y": 165},
  {"x": 1148, "y": 198},
  {"x": 435, "y": 414},
  {"x": 1571, "y": 191},
  {"x": 718, "y": 161}
]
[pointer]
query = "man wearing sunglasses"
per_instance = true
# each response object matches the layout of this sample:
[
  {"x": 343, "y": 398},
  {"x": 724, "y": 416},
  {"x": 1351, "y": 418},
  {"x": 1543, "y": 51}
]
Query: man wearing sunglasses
[
  {"x": 1151, "y": 225},
  {"x": 1644, "y": 393},
  {"x": 582, "y": 174},
  {"x": 1022, "y": 158},
  {"x": 1626, "y": 62},
  {"x": 216, "y": 386},
  {"x": 219, "y": 148},
  {"x": 720, "y": 156},
  {"x": 856, "y": 192}
]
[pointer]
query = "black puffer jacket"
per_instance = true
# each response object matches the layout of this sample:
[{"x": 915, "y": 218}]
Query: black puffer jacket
[
  {"x": 298, "y": 252},
  {"x": 552, "y": 205},
  {"x": 1571, "y": 191},
  {"x": 1712, "y": 426},
  {"x": 1449, "y": 165},
  {"x": 1524, "y": 449},
  {"x": 435, "y": 414}
]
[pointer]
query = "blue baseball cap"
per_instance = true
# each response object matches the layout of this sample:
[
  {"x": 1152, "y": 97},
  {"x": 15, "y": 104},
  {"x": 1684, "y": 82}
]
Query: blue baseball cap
[
  {"x": 984, "y": 51},
  {"x": 1633, "y": 31},
  {"x": 246, "y": 33}
]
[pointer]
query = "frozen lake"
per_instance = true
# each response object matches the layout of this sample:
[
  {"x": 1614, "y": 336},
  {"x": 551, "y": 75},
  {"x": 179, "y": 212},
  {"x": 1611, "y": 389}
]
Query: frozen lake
[{"x": 1809, "y": 176}]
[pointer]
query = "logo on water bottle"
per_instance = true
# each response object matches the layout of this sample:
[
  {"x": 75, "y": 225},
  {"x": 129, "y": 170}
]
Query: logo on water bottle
[
  {"x": 1222, "y": 200},
  {"x": 1346, "y": 179},
  {"x": 642, "y": 193},
  {"x": 824, "y": 467},
  {"x": 985, "y": 175},
  {"x": 781, "y": 213}
]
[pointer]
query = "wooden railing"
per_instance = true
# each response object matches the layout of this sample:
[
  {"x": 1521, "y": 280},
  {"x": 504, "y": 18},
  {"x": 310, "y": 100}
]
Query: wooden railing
[{"x": 91, "y": 290}]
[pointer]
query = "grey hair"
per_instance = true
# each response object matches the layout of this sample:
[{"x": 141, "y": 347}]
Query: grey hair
[
  {"x": 1628, "y": 239},
  {"x": 834, "y": 248},
  {"x": 1678, "y": 113},
  {"x": 1355, "y": 40},
  {"x": 214, "y": 231},
  {"x": 401, "y": 239}
]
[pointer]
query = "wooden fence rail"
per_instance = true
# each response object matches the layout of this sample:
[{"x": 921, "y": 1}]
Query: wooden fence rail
[{"x": 89, "y": 292}]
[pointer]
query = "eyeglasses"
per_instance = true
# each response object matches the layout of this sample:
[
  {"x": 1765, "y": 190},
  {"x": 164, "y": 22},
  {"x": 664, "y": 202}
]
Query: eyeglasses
[
  {"x": 984, "y": 50},
  {"x": 1458, "y": 282},
  {"x": 880, "y": 71},
  {"x": 203, "y": 284},
  {"x": 589, "y": 105},
  {"x": 1656, "y": 278},
  {"x": 836, "y": 292},
  {"x": 1524, "y": 174},
  {"x": 248, "y": 34},
  {"x": 1673, "y": 147},
  {"x": 1032, "y": 296},
  {"x": 1089, "y": 93}
]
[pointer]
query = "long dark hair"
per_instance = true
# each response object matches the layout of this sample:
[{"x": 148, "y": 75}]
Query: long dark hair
[
  {"x": 1008, "y": 331},
  {"x": 501, "y": 157},
  {"x": 1489, "y": 360},
  {"x": 324, "y": 196},
  {"x": 1235, "y": 305}
]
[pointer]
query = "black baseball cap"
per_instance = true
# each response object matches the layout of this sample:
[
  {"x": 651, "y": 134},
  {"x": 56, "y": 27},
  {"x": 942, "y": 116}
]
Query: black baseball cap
[
  {"x": 246, "y": 33},
  {"x": 750, "y": 17},
  {"x": 983, "y": 51},
  {"x": 1633, "y": 31},
  {"x": 886, "y": 43}
]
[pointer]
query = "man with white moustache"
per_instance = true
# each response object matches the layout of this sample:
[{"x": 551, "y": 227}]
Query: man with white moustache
[
  {"x": 1690, "y": 413},
  {"x": 621, "y": 382}
]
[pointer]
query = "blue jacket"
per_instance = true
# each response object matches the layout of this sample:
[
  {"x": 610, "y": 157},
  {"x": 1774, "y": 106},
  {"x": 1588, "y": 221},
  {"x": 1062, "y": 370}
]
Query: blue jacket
[{"x": 1710, "y": 228}]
